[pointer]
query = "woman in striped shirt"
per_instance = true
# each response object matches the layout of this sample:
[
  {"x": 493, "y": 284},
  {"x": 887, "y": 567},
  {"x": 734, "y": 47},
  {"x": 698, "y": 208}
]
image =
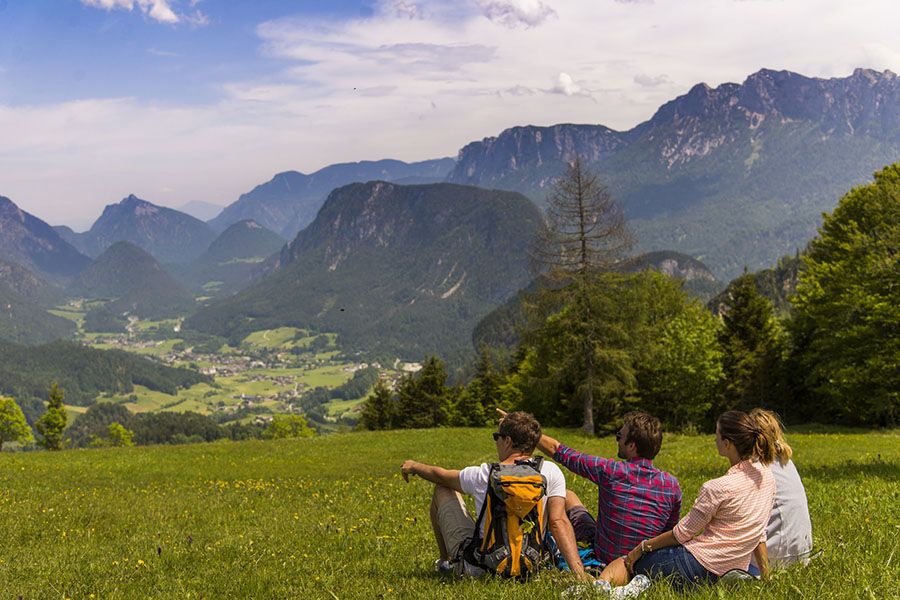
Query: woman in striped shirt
[{"x": 727, "y": 523}]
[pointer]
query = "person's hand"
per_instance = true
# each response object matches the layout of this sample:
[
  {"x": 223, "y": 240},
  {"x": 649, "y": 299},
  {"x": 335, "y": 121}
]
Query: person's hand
[
  {"x": 502, "y": 412},
  {"x": 632, "y": 557},
  {"x": 407, "y": 469}
]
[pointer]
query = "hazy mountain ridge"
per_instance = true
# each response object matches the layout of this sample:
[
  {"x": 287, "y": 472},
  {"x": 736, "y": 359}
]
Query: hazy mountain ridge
[
  {"x": 697, "y": 277},
  {"x": 290, "y": 200},
  {"x": 737, "y": 174},
  {"x": 233, "y": 260},
  {"x": 777, "y": 283},
  {"x": 32, "y": 243},
  {"x": 402, "y": 270},
  {"x": 28, "y": 285},
  {"x": 23, "y": 321},
  {"x": 167, "y": 234},
  {"x": 134, "y": 281}
]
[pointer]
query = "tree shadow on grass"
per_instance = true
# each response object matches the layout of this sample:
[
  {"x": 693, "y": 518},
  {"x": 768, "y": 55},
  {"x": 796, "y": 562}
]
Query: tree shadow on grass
[{"x": 853, "y": 469}]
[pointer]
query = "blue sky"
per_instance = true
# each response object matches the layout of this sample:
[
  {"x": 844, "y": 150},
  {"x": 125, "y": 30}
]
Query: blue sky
[{"x": 183, "y": 100}]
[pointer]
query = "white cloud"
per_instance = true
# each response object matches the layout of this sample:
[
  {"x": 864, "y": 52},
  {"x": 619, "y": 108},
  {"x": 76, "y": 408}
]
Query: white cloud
[
  {"x": 402, "y": 8},
  {"x": 566, "y": 86},
  {"x": 158, "y": 10},
  {"x": 650, "y": 81},
  {"x": 413, "y": 88},
  {"x": 512, "y": 13}
]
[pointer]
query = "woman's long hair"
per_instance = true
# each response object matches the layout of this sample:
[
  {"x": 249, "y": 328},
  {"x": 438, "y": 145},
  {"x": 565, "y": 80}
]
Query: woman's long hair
[
  {"x": 750, "y": 440},
  {"x": 771, "y": 424}
]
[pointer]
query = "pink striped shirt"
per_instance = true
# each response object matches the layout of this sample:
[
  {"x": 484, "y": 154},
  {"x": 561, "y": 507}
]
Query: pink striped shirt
[{"x": 729, "y": 518}]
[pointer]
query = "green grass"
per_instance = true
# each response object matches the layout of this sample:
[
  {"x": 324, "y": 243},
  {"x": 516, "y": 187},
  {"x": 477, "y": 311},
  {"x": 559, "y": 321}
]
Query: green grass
[
  {"x": 75, "y": 316},
  {"x": 280, "y": 338},
  {"x": 336, "y": 408},
  {"x": 331, "y": 518}
]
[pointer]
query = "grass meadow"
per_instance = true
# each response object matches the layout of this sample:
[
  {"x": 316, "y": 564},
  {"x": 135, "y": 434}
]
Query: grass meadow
[{"x": 330, "y": 518}]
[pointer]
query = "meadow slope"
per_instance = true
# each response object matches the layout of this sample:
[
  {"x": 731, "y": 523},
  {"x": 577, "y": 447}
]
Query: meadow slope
[{"x": 330, "y": 517}]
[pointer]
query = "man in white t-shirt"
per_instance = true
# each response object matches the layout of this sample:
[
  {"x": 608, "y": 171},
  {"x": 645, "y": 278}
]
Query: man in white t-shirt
[{"x": 516, "y": 437}]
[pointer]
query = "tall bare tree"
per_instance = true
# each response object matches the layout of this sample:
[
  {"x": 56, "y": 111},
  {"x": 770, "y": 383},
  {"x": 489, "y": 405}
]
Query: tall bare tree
[{"x": 584, "y": 234}]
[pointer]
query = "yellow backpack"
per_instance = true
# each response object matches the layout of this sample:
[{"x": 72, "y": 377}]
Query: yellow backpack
[{"x": 513, "y": 517}]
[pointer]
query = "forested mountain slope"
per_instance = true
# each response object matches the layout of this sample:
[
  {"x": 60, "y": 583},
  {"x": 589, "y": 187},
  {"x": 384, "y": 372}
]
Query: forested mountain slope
[{"x": 395, "y": 270}]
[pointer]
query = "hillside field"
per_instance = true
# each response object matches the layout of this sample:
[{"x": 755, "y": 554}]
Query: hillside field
[{"x": 331, "y": 518}]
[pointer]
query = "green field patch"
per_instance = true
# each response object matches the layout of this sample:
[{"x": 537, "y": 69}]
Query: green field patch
[
  {"x": 328, "y": 376},
  {"x": 280, "y": 338},
  {"x": 336, "y": 408},
  {"x": 76, "y": 317},
  {"x": 202, "y": 398},
  {"x": 164, "y": 325},
  {"x": 72, "y": 411},
  {"x": 251, "y": 260}
]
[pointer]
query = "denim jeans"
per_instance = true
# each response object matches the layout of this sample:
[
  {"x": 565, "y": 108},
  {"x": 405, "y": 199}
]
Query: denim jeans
[{"x": 674, "y": 562}]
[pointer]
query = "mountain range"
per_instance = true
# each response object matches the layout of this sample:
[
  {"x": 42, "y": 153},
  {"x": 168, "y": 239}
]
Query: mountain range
[
  {"x": 290, "y": 200},
  {"x": 396, "y": 270},
  {"x": 30, "y": 242},
  {"x": 734, "y": 175},
  {"x": 167, "y": 234}
]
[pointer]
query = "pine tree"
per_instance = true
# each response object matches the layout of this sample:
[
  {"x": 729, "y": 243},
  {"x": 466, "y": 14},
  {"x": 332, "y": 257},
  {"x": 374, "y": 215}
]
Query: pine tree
[
  {"x": 378, "y": 410},
  {"x": 53, "y": 422},
  {"x": 424, "y": 399},
  {"x": 752, "y": 347},
  {"x": 585, "y": 233},
  {"x": 477, "y": 403}
]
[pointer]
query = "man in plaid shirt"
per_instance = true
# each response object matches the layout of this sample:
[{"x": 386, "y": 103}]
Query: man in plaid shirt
[{"x": 636, "y": 501}]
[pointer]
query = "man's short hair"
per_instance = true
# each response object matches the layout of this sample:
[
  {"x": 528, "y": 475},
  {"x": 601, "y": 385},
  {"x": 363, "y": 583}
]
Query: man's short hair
[
  {"x": 523, "y": 429},
  {"x": 645, "y": 431}
]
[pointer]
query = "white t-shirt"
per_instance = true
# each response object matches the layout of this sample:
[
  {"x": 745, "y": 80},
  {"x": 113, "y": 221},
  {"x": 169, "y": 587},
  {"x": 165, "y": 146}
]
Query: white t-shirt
[{"x": 474, "y": 482}]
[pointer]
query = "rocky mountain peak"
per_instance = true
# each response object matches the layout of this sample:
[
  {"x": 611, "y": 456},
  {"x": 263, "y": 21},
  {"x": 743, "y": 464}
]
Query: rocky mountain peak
[{"x": 9, "y": 210}]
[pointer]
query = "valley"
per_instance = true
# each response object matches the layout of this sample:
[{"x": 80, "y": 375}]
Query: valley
[{"x": 269, "y": 372}]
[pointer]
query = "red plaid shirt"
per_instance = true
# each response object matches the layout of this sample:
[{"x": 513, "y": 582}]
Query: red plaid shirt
[{"x": 636, "y": 500}]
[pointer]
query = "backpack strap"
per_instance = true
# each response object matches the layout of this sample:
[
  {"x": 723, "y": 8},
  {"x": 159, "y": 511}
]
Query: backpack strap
[{"x": 470, "y": 553}]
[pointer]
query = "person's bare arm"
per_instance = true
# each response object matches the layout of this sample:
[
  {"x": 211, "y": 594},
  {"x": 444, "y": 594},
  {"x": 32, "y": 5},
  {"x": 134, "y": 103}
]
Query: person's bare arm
[
  {"x": 437, "y": 475},
  {"x": 761, "y": 556},
  {"x": 564, "y": 535}
]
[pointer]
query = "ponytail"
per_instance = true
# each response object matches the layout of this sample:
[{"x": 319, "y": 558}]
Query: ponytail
[
  {"x": 764, "y": 448},
  {"x": 769, "y": 422},
  {"x": 750, "y": 440}
]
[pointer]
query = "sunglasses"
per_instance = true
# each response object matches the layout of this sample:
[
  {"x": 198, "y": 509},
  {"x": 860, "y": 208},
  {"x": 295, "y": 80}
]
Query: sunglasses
[
  {"x": 497, "y": 435},
  {"x": 618, "y": 435}
]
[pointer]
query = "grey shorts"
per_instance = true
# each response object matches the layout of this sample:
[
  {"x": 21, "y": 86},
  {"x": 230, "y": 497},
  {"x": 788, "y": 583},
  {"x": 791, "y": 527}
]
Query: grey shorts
[
  {"x": 583, "y": 523},
  {"x": 457, "y": 528}
]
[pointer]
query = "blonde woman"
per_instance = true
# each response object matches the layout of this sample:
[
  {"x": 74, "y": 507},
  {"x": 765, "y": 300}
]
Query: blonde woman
[{"x": 789, "y": 533}]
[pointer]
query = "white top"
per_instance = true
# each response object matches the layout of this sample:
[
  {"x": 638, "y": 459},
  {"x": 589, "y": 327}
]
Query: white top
[
  {"x": 790, "y": 529},
  {"x": 474, "y": 482}
]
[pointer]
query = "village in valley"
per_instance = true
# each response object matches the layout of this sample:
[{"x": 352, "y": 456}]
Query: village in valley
[{"x": 276, "y": 371}]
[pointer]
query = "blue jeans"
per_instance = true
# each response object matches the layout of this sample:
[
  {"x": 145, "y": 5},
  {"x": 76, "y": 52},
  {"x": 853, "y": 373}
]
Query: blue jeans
[{"x": 676, "y": 563}]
